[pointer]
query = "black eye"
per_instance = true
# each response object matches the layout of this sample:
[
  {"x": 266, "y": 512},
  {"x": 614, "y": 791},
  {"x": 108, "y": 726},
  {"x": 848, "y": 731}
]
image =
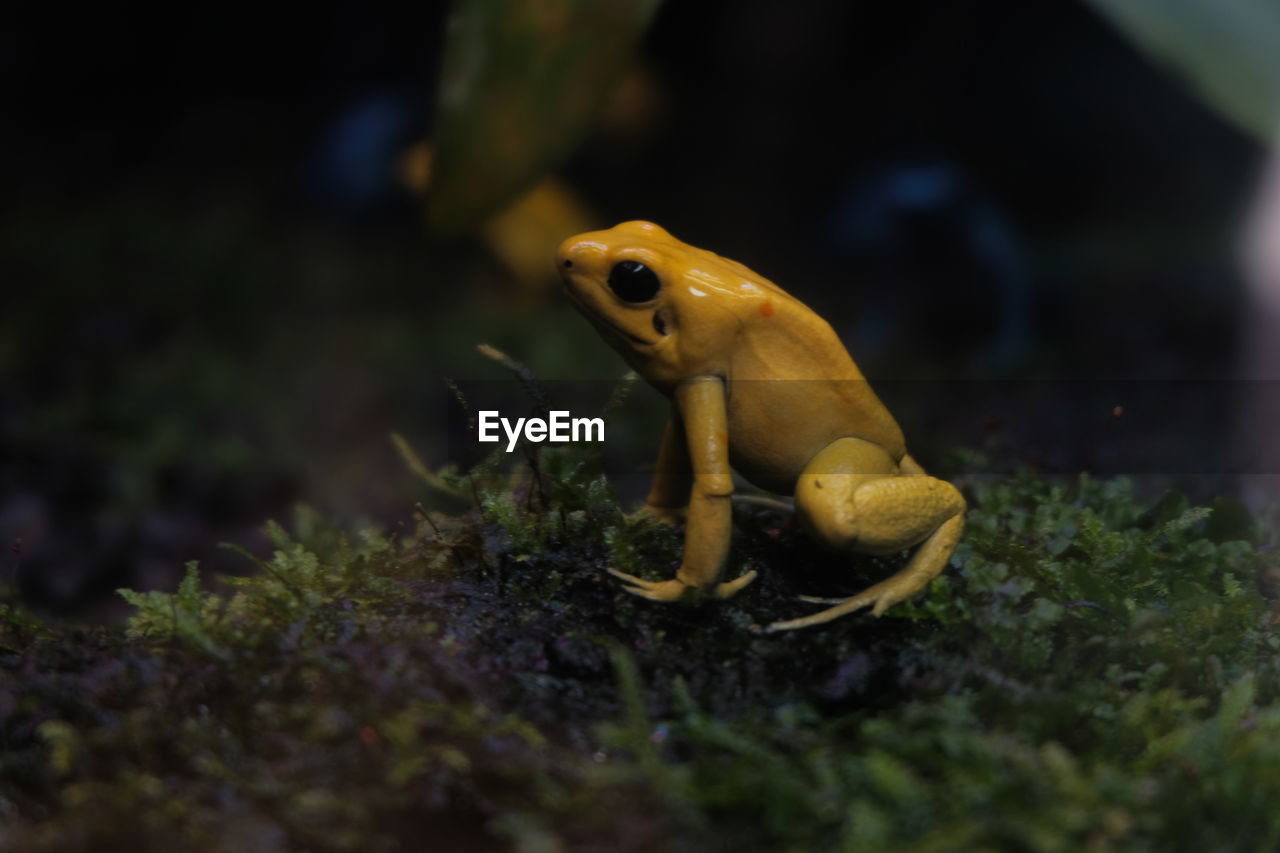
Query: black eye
[{"x": 632, "y": 281}]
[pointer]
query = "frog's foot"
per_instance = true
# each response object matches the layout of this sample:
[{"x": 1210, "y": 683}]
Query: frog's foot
[
  {"x": 676, "y": 590},
  {"x": 923, "y": 567},
  {"x": 882, "y": 595},
  {"x": 672, "y": 590}
]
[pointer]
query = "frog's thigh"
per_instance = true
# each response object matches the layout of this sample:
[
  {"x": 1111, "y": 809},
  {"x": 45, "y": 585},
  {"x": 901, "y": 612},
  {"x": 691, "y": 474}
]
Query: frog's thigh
[
  {"x": 877, "y": 514},
  {"x": 852, "y": 497}
]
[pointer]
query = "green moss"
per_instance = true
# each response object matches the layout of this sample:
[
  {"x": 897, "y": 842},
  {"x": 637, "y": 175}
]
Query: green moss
[{"x": 1096, "y": 670}]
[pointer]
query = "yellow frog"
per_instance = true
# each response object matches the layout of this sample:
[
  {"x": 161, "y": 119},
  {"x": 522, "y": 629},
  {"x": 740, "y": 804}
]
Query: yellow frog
[{"x": 761, "y": 384}]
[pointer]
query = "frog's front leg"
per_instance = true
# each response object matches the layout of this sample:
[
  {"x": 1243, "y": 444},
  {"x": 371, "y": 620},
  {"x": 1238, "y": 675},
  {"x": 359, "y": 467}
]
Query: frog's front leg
[
  {"x": 853, "y": 497},
  {"x": 700, "y": 404},
  {"x": 672, "y": 475}
]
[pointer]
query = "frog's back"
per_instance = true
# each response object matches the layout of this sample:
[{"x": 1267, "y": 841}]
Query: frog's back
[{"x": 794, "y": 389}]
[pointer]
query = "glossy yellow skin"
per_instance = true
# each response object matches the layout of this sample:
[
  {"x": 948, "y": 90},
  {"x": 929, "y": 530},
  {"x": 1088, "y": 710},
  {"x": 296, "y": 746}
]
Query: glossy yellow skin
[{"x": 761, "y": 384}]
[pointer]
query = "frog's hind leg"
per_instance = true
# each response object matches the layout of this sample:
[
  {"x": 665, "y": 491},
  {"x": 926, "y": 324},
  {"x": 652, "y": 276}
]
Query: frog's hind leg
[
  {"x": 853, "y": 497},
  {"x": 924, "y": 566}
]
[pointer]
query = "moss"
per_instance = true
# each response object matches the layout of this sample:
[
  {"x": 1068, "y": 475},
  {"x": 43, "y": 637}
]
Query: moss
[{"x": 1097, "y": 670}]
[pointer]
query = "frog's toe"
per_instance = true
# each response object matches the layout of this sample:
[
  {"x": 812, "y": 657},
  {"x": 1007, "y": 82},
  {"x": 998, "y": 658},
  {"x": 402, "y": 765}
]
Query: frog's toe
[
  {"x": 669, "y": 590},
  {"x": 733, "y": 587},
  {"x": 815, "y": 599},
  {"x": 631, "y": 579}
]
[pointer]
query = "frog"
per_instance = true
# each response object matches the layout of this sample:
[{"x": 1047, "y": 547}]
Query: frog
[{"x": 761, "y": 385}]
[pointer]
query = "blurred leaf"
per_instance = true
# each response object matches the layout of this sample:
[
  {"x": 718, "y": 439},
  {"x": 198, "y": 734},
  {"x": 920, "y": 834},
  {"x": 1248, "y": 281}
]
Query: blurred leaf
[
  {"x": 1229, "y": 49},
  {"x": 521, "y": 81},
  {"x": 524, "y": 234}
]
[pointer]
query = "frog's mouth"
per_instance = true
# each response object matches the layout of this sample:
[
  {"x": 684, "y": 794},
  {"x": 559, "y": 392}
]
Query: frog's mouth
[{"x": 601, "y": 322}]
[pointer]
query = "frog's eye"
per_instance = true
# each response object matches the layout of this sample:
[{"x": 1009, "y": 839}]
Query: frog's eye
[{"x": 632, "y": 281}]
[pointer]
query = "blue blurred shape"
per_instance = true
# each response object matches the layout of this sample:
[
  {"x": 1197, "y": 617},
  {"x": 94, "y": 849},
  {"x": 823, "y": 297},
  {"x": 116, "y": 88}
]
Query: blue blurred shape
[
  {"x": 937, "y": 252},
  {"x": 354, "y": 164}
]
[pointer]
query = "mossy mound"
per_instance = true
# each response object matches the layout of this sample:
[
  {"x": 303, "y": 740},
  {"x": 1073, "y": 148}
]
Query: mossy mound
[{"x": 1094, "y": 671}]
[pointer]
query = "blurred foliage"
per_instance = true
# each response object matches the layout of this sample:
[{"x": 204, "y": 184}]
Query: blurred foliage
[
  {"x": 1228, "y": 49},
  {"x": 172, "y": 373},
  {"x": 521, "y": 81},
  {"x": 525, "y": 234},
  {"x": 1097, "y": 671}
]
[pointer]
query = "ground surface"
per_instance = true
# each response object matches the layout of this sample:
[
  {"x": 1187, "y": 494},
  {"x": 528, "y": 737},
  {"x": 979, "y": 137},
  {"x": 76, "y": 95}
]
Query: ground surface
[{"x": 1094, "y": 670}]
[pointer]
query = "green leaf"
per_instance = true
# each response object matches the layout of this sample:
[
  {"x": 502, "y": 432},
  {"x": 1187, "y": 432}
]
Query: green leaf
[
  {"x": 520, "y": 83},
  {"x": 1228, "y": 49}
]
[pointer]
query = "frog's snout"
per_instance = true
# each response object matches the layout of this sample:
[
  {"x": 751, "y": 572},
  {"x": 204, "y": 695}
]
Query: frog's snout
[
  {"x": 564, "y": 255},
  {"x": 568, "y": 254},
  {"x": 576, "y": 255}
]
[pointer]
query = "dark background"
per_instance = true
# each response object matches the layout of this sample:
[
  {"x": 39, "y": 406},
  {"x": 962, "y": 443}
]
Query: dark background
[{"x": 216, "y": 304}]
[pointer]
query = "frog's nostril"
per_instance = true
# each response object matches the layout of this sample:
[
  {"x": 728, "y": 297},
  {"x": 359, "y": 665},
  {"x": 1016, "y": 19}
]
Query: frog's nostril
[{"x": 568, "y": 264}]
